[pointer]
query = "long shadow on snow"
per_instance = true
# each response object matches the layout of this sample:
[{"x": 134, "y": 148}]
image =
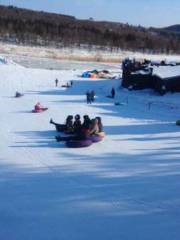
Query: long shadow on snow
[
  {"x": 114, "y": 187},
  {"x": 80, "y": 87},
  {"x": 40, "y": 139},
  {"x": 129, "y": 111},
  {"x": 140, "y": 129}
]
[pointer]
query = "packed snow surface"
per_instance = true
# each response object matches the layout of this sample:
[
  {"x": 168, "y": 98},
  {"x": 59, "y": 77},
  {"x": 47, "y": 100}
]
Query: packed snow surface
[{"x": 125, "y": 187}]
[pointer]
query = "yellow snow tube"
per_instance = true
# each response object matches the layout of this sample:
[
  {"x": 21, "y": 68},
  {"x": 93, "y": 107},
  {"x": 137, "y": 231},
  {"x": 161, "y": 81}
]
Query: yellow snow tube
[{"x": 101, "y": 134}]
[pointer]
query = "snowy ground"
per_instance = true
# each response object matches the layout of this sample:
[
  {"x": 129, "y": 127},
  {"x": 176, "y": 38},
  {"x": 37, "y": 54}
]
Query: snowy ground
[
  {"x": 126, "y": 187},
  {"x": 54, "y": 64}
]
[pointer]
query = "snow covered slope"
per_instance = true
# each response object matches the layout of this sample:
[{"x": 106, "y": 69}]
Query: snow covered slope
[{"x": 125, "y": 187}]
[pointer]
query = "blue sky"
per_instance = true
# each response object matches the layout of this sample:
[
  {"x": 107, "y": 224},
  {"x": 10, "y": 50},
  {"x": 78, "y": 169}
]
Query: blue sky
[{"x": 144, "y": 12}]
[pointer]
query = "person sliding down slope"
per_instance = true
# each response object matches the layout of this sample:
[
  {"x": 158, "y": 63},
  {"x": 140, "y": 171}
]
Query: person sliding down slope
[
  {"x": 67, "y": 127},
  {"x": 39, "y": 108},
  {"x": 83, "y": 134}
]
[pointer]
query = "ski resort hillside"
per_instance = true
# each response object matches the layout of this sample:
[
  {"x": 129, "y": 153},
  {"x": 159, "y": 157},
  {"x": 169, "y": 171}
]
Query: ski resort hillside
[{"x": 124, "y": 187}]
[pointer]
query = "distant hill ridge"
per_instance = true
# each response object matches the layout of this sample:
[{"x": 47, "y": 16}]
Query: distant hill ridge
[
  {"x": 50, "y": 29},
  {"x": 173, "y": 28}
]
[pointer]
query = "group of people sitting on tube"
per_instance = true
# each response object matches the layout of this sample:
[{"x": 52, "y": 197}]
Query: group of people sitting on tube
[{"x": 79, "y": 130}]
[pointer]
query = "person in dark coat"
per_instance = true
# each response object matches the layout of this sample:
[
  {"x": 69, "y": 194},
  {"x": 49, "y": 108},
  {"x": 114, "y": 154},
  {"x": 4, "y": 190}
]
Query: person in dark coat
[
  {"x": 77, "y": 124},
  {"x": 67, "y": 127},
  {"x": 82, "y": 134},
  {"x": 56, "y": 82},
  {"x": 92, "y": 93},
  {"x": 86, "y": 122},
  {"x": 88, "y": 97},
  {"x": 113, "y": 92}
]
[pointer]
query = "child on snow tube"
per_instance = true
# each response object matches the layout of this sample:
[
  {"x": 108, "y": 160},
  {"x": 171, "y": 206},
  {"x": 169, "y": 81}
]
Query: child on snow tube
[
  {"x": 94, "y": 131},
  {"x": 67, "y": 127},
  {"x": 77, "y": 124},
  {"x": 101, "y": 133},
  {"x": 88, "y": 131},
  {"x": 81, "y": 133},
  {"x": 39, "y": 108}
]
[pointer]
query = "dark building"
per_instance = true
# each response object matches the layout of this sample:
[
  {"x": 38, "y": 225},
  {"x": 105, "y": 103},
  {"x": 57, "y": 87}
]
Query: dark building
[{"x": 143, "y": 78}]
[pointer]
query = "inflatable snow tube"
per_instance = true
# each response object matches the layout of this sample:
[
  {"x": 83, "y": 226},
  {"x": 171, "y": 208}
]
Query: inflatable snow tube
[
  {"x": 95, "y": 138},
  {"x": 101, "y": 134},
  {"x": 178, "y": 122},
  {"x": 39, "y": 110},
  {"x": 78, "y": 143}
]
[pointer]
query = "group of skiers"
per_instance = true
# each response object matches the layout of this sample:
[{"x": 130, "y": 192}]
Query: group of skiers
[{"x": 79, "y": 129}]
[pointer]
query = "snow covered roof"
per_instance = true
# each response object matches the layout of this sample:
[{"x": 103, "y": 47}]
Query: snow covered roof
[
  {"x": 140, "y": 72},
  {"x": 167, "y": 71}
]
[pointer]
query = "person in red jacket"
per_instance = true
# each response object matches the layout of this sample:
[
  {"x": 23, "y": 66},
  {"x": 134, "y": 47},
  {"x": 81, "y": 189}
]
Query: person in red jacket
[{"x": 39, "y": 108}]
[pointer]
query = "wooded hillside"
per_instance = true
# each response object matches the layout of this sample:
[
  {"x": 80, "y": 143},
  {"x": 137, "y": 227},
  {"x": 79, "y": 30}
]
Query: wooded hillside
[{"x": 41, "y": 28}]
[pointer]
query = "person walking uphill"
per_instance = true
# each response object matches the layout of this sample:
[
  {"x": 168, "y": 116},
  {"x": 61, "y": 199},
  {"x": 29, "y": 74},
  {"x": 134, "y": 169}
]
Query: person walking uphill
[{"x": 113, "y": 92}]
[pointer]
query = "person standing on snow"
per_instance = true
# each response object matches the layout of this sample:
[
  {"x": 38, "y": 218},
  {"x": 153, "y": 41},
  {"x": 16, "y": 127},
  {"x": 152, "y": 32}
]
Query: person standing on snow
[
  {"x": 56, "y": 82},
  {"x": 92, "y": 95},
  {"x": 113, "y": 92},
  {"x": 88, "y": 97}
]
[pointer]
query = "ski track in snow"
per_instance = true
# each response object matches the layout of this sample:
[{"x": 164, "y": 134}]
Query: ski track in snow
[{"x": 125, "y": 187}]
